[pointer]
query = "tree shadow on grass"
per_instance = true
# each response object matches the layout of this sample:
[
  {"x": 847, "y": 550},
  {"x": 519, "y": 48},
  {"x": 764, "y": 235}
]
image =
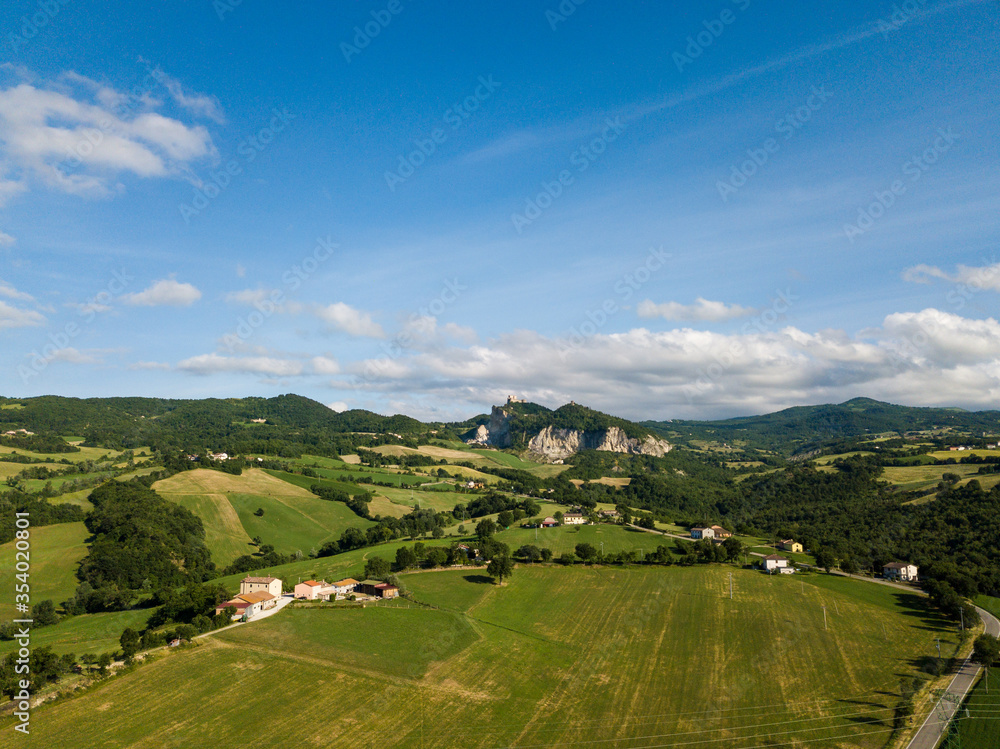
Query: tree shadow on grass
[
  {"x": 920, "y": 607},
  {"x": 479, "y": 579}
]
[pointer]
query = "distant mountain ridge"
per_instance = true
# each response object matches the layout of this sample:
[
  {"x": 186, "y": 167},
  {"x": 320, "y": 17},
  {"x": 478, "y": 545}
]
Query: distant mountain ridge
[
  {"x": 62, "y": 415},
  {"x": 801, "y": 425}
]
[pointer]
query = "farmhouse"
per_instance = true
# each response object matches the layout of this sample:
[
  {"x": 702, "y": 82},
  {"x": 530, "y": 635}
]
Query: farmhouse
[
  {"x": 719, "y": 532},
  {"x": 900, "y": 571},
  {"x": 774, "y": 562},
  {"x": 310, "y": 590},
  {"x": 574, "y": 518},
  {"x": 249, "y": 604},
  {"x": 270, "y": 585},
  {"x": 549, "y": 523},
  {"x": 790, "y": 545},
  {"x": 702, "y": 532},
  {"x": 238, "y": 604},
  {"x": 343, "y": 587},
  {"x": 609, "y": 513}
]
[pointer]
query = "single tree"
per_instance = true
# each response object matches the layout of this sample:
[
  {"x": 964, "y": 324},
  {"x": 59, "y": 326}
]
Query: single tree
[
  {"x": 405, "y": 558},
  {"x": 130, "y": 642},
  {"x": 485, "y": 528},
  {"x": 586, "y": 552},
  {"x": 44, "y": 613},
  {"x": 986, "y": 652},
  {"x": 500, "y": 567},
  {"x": 376, "y": 568}
]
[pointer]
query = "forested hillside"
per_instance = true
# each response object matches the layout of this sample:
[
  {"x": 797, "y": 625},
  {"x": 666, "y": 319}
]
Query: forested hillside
[{"x": 804, "y": 427}]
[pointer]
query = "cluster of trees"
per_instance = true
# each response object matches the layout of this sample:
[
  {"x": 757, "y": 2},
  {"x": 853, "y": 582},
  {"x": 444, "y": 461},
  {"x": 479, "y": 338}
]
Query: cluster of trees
[
  {"x": 358, "y": 504},
  {"x": 44, "y": 667},
  {"x": 494, "y": 502},
  {"x": 38, "y": 443},
  {"x": 142, "y": 544},
  {"x": 418, "y": 522},
  {"x": 41, "y": 511}
]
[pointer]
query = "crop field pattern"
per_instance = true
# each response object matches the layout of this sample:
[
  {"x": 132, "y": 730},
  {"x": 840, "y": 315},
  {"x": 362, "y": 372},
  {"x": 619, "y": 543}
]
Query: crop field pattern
[
  {"x": 294, "y": 519},
  {"x": 594, "y": 657}
]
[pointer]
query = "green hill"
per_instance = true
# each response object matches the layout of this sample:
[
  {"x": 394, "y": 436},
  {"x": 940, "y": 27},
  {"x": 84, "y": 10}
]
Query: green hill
[
  {"x": 133, "y": 422},
  {"x": 794, "y": 428},
  {"x": 525, "y": 420}
]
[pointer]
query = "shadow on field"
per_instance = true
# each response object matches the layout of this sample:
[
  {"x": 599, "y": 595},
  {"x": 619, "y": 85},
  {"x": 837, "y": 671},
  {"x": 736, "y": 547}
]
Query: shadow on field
[
  {"x": 919, "y": 607},
  {"x": 875, "y": 709},
  {"x": 479, "y": 579}
]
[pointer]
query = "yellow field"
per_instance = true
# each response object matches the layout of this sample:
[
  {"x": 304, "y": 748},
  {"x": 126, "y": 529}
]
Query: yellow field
[
  {"x": 584, "y": 657},
  {"x": 86, "y": 453},
  {"x": 12, "y": 469},
  {"x": 206, "y": 481},
  {"x": 959, "y": 454}
]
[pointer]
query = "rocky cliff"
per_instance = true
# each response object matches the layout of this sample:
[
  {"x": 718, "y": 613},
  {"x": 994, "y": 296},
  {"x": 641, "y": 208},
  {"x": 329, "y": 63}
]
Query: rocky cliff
[{"x": 554, "y": 443}]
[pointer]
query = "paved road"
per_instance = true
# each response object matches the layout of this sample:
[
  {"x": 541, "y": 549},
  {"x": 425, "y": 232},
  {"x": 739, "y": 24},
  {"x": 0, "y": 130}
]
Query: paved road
[{"x": 937, "y": 722}]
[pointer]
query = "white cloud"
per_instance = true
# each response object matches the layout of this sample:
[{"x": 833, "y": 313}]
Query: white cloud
[
  {"x": 925, "y": 358},
  {"x": 10, "y": 292},
  {"x": 205, "y": 364},
  {"x": 150, "y": 365},
  {"x": 202, "y": 105},
  {"x": 985, "y": 277},
  {"x": 6, "y": 240},
  {"x": 15, "y": 317},
  {"x": 338, "y": 406},
  {"x": 323, "y": 365},
  {"x": 249, "y": 296},
  {"x": 347, "y": 319},
  {"x": 165, "y": 292},
  {"x": 461, "y": 333},
  {"x": 74, "y": 356},
  {"x": 79, "y": 136},
  {"x": 701, "y": 310}
]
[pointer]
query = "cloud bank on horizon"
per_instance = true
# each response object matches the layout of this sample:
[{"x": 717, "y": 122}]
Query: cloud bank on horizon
[{"x": 660, "y": 213}]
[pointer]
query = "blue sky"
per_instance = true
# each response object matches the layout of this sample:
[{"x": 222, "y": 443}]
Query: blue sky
[{"x": 715, "y": 210}]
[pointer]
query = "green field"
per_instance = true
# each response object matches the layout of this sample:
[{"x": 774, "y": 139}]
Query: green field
[
  {"x": 565, "y": 538},
  {"x": 87, "y": 633},
  {"x": 596, "y": 657},
  {"x": 55, "y": 552},
  {"x": 980, "y": 729},
  {"x": 294, "y": 519}
]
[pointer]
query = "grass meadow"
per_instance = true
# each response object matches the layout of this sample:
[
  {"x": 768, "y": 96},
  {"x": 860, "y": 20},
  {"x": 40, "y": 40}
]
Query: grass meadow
[{"x": 595, "y": 657}]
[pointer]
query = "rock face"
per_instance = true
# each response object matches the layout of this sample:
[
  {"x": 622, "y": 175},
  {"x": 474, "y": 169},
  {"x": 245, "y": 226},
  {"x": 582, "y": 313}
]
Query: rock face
[
  {"x": 555, "y": 444},
  {"x": 497, "y": 434},
  {"x": 561, "y": 443}
]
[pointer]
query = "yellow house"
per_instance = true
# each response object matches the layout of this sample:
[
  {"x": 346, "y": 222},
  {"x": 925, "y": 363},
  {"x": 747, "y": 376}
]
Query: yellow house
[{"x": 790, "y": 545}]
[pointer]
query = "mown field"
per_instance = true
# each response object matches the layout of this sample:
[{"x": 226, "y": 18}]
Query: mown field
[
  {"x": 590, "y": 657},
  {"x": 912, "y": 478},
  {"x": 294, "y": 519},
  {"x": 565, "y": 538},
  {"x": 56, "y": 550},
  {"x": 980, "y": 727}
]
